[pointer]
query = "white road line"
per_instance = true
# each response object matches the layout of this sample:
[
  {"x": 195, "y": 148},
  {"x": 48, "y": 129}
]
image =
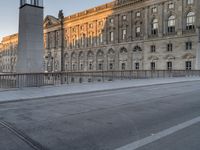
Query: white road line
[{"x": 159, "y": 135}]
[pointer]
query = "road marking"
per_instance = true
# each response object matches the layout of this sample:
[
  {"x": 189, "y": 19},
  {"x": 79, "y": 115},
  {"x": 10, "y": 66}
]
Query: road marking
[{"x": 159, "y": 135}]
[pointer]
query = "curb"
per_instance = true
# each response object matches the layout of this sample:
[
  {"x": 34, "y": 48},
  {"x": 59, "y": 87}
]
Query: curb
[{"x": 90, "y": 92}]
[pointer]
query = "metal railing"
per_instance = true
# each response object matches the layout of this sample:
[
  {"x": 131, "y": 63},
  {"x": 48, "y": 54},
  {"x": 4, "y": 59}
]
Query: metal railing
[{"x": 45, "y": 79}]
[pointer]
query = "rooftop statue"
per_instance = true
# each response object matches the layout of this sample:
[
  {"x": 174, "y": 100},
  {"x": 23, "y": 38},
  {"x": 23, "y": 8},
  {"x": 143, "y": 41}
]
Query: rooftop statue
[{"x": 61, "y": 15}]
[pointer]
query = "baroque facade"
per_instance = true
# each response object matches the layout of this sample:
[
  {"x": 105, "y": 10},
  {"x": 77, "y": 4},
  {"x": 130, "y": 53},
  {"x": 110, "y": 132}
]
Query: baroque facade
[{"x": 125, "y": 35}]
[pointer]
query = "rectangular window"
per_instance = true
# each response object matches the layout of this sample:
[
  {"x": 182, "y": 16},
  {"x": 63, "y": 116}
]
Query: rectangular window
[
  {"x": 188, "y": 45},
  {"x": 91, "y": 40},
  {"x": 57, "y": 39},
  {"x": 100, "y": 66},
  {"x": 111, "y": 20},
  {"x": 101, "y": 38},
  {"x": 138, "y": 31},
  {"x": 81, "y": 41},
  {"x": 74, "y": 43},
  {"x": 100, "y": 23},
  {"x": 153, "y": 48},
  {"x": 169, "y": 47},
  {"x": 91, "y": 25},
  {"x": 124, "y": 34},
  {"x": 123, "y": 66},
  {"x": 111, "y": 66},
  {"x": 90, "y": 66},
  {"x": 81, "y": 67},
  {"x": 153, "y": 66},
  {"x": 189, "y": 2},
  {"x": 137, "y": 66},
  {"x": 111, "y": 36},
  {"x": 169, "y": 65},
  {"x": 73, "y": 67},
  {"x": 138, "y": 14},
  {"x": 74, "y": 29},
  {"x": 188, "y": 65},
  {"x": 124, "y": 17},
  {"x": 171, "y": 5},
  {"x": 154, "y": 9}
]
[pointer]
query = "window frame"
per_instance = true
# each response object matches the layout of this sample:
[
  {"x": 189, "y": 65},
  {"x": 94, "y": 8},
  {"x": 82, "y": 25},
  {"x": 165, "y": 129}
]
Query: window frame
[
  {"x": 188, "y": 65},
  {"x": 169, "y": 65}
]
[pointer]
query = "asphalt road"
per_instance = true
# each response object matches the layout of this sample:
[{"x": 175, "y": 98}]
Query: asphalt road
[{"x": 106, "y": 120}]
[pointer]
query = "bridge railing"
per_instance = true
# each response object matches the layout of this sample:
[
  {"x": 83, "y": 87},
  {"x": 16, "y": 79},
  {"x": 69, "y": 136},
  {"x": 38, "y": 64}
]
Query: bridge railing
[{"x": 8, "y": 81}]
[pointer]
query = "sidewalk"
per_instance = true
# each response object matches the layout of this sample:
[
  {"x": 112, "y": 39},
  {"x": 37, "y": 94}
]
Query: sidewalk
[{"x": 42, "y": 92}]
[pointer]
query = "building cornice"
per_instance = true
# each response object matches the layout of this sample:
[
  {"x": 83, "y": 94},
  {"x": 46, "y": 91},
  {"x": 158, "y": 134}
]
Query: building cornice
[{"x": 112, "y": 6}]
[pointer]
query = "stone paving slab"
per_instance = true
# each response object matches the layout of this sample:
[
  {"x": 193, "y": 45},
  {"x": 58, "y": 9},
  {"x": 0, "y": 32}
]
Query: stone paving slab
[{"x": 42, "y": 92}]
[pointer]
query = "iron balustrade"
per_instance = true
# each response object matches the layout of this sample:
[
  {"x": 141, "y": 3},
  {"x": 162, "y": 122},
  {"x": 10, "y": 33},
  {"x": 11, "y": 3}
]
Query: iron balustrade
[{"x": 8, "y": 81}]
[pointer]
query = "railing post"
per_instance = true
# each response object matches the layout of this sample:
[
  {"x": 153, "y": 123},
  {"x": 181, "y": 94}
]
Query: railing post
[
  {"x": 103, "y": 75},
  {"x": 61, "y": 78},
  {"x": 112, "y": 75}
]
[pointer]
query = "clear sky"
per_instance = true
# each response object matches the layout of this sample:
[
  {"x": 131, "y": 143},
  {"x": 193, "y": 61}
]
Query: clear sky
[{"x": 9, "y": 11}]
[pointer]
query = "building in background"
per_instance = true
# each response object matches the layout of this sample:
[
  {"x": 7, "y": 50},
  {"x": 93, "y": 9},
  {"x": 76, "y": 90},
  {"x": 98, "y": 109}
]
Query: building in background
[
  {"x": 124, "y": 35},
  {"x": 8, "y": 53}
]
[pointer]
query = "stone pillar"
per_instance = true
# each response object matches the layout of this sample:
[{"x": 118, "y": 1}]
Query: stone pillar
[
  {"x": 117, "y": 20},
  {"x": 146, "y": 22},
  {"x": 179, "y": 22},
  {"x": 161, "y": 19},
  {"x": 30, "y": 46}
]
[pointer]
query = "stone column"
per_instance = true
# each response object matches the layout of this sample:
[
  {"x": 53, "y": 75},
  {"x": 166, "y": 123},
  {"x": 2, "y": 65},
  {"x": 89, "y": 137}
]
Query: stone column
[
  {"x": 179, "y": 12},
  {"x": 30, "y": 45},
  {"x": 161, "y": 19}
]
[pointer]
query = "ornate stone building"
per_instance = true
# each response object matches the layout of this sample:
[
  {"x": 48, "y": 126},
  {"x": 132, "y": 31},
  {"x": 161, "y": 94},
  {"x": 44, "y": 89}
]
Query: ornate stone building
[
  {"x": 8, "y": 53},
  {"x": 125, "y": 35}
]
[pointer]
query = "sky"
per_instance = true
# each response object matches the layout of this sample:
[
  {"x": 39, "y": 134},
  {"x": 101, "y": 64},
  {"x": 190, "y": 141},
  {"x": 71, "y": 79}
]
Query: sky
[{"x": 10, "y": 11}]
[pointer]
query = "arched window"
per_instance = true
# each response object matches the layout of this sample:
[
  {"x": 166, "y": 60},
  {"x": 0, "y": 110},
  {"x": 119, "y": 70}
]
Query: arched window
[
  {"x": 100, "y": 53},
  {"x": 190, "y": 24},
  {"x": 137, "y": 49},
  {"x": 171, "y": 24},
  {"x": 90, "y": 54},
  {"x": 66, "y": 56},
  {"x": 111, "y": 52},
  {"x": 123, "y": 50},
  {"x": 81, "y": 55},
  {"x": 154, "y": 30},
  {"x": 73, "y": 56}
]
